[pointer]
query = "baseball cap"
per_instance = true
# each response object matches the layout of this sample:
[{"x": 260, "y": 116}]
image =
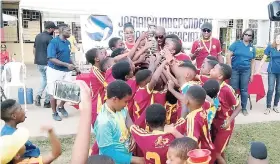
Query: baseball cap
[
  {"x": 11, "y": 144},
  {"x": 50, "y": 24},
  {"x": 206, "y": 25}
]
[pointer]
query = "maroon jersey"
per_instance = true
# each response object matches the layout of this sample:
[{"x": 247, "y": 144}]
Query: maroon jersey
[
  {"x": 134, "y": 87},
  {"x": 108, "y": 76},
  {"x": 154, "y": 144},
  {"x": 227, "y": 101},
  {"x": 182, "y": 57},
  {"x": 203, "y": 78},
  {"x": 142, "y": 99},
  {"x": 171, "y": 113},
  {"x": 159, "y": 97},
  {"x": 196, "y": 127}
]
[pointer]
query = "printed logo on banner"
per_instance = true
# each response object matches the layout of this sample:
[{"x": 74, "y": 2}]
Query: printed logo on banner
[{"x": 99, "y": 27}]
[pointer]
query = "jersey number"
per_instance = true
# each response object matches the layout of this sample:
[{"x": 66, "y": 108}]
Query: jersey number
[{"x": 153, "y": 155}]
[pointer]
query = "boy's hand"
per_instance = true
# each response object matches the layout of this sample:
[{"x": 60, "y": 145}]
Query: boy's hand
[
  {"x": 46, "y": 128},
  {"x": 169, "y": 128},
  {"x": 85, "y": 104},
  {"x": 148, "y": 45},
  {"x": 170, "y": 85},
  {"x": 152, "y": 59},
  {"x": 143, "y": 36},
  {"x": 225, "y": 125}
]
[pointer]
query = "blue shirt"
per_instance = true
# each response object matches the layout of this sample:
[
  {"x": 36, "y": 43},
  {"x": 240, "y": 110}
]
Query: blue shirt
[
  {"x": 112, "y": 136},
  {"x": 59, "y": 49},
  {"x": 31, "y": 150},
  {"x": 242, "y": 55},
  {"x": 274, "y": 63}
]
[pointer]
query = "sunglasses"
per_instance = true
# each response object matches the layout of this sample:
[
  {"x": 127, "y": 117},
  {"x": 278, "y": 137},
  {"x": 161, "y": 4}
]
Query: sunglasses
[
  {"x": 247, "y": 35},
  {"x": 206, "y": 30},
  {"x": 159, "y": 37}
]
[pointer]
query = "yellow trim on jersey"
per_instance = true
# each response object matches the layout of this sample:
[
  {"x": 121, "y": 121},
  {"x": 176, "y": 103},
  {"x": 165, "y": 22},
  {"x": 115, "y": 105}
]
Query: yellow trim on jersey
[
  {"x": 137, "y": 109},
  {"x": 141, "y": 132},
  {"x": 190, "y": 123}
]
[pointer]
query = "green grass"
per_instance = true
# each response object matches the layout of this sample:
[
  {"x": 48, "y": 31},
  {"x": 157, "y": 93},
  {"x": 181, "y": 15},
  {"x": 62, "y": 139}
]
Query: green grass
[{"x": 236, "y": 152}]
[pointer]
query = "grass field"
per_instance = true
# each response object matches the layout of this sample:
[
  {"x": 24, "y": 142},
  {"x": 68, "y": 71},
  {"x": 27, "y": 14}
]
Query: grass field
[{"x": 236, "y": 153}]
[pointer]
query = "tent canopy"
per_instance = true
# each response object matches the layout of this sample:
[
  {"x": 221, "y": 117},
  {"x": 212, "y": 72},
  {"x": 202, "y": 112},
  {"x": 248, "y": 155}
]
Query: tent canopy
[{"x": 215, "y": 9}]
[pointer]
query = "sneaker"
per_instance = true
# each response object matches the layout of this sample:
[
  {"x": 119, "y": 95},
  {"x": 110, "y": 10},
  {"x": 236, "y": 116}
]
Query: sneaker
[
  {"x": 56, "y": 117},
  {"x": 47, "y": 105},
  {"x": 62, "y": 111},
  {"x": 275, "y": 109},
  {"x": 245, "y": 112},
  {"x": 38, "y": 100},
  {"x": 267, "y": 111}
]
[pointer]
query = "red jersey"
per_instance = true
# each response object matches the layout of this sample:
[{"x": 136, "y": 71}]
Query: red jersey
[
  {"x": 95, "y": 80},
  {"x": 203, "y": 78},
  {"x": 196, "y": 127},
  {"x": 171, "y": 113},
  {"x": 4, "y": 57},
  {"x": 154, "y": 145},
  {"x": 142, "y": 99},
  {"x": 129, "y": 45},
  {"x": 227, "y": 101},
  {"x": 211, "y": 47},
  {"x": 182, "y": 57},
  {"x": 159, "y": 97},
  {"x": 133, "y": 85},
  {"x": 108, "y": 76}
]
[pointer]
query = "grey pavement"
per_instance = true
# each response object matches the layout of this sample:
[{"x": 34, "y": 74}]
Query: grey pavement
[{"x": 37, "y": 116}]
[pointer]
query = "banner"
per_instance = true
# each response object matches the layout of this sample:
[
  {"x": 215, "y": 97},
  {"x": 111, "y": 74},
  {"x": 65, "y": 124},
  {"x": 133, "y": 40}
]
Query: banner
[{"x": 96, "y": 30}]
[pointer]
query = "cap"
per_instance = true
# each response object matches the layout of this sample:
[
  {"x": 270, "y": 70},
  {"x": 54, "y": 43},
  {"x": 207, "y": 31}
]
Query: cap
[
  {"x": 258, "y": 150},
  {"x": 50, "y": 24},
  {"x": 207, "y": 25},
  {"x": 11, "y": 144}
]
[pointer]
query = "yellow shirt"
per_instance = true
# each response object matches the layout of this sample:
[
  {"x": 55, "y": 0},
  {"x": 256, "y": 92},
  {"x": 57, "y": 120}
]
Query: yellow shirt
[
  {"x": 38, "y": 160},
  {"x": 72, "y": 41}
]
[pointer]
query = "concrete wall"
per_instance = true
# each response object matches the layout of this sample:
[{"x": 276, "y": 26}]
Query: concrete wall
[{"x": 14, "y": 48}]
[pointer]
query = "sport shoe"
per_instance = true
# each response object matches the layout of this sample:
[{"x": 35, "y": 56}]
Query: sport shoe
[
  {"x": 56, "y": 117},
  {"x": 62, "y": 111},
  {"x": 267, "y": 111},
  {"x": 47, "y": 105},
  {"x": 245, "y": 112},
  {"x": 37, "y": 100},
  {"x": 275, "y": 109}
]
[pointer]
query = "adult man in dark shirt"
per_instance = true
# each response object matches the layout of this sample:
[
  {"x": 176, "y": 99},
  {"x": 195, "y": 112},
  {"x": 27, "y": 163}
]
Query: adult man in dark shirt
[{"x": 42, "y": 41}]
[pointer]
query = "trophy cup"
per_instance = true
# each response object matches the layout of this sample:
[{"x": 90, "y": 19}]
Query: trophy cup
[{"x": 151, "y": 37}]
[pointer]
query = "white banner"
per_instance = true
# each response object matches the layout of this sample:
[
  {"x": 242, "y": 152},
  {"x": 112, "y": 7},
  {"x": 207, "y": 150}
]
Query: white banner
[{"x": 96, "y": 30}]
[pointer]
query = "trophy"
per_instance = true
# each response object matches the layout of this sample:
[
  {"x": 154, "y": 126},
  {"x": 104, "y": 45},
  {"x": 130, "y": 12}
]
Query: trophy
[{"x": 151, "y": 37}]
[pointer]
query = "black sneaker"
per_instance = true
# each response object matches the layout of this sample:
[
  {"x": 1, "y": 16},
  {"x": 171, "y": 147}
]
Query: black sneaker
[
  {"x": 56, "y": 117},
  {"x": 47, "y": 105},
  {"x": 38, "y": 100},
  {"x": 62, "y": 111}
]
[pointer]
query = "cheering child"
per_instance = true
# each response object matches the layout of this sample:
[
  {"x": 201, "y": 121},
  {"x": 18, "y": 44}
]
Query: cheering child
[
  {"x": 112, "y": 136},
  {"x": 223, "y": 122},
  {"x": 153, "y": 144},
  {"x": 178, "y": 150}
]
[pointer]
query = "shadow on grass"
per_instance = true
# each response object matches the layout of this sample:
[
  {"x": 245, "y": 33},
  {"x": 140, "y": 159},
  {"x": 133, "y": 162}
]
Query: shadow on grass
[{"x": 236, "y": 152}]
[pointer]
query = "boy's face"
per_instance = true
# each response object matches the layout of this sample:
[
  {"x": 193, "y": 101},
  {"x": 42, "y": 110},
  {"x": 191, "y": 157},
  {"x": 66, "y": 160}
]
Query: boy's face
[
  {"x": 19, "y": 114},
  {"x": 119, "y": 104},
  {"x": 185, "y": 73},
  {"x": 172, "y": 157},
  {"x": 102, "y": 54},
  {"x": 119, "y": 44},
  {"x": 215, "y": 73},
  {"x": 205, "y": 68},
  {"x": 170, "y": 46}
]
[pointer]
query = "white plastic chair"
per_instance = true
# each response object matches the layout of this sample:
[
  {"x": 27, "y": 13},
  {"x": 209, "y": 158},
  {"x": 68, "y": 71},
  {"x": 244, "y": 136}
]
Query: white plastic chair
[{"x": 17, "y": 71}]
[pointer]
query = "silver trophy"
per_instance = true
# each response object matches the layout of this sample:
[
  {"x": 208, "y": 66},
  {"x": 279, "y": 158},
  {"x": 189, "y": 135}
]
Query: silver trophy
[{"x": 151, "y": 37}]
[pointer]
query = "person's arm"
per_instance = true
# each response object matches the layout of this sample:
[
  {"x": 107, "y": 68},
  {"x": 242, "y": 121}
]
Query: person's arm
[
  {"x": 128, "y": 121},
  {"x": 171, "y": 129},
  {"x": 261, "y": 64},
  {"x": 136, "y": 45},
  {"x": 55, "y": 146},
  {"x": 142, "y": 50},
  {"x": 156, "y": 76},
  {"x": 82, "y": 141},
  {"x": 169, "y": 76},
  {"x": 253, "y": 63},
  {"x": 230, "y": 53},
  {"x": 178, "y": 95}
]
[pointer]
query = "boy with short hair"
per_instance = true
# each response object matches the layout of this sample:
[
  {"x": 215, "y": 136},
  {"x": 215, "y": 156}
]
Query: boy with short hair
[
  {"x": 112, "y": 136},
  {"x": 153, "y": 144},
  {"x": 223, "y": 123},
  {"x": 115, "y": 43},
  {"x": 178, "y": 150},
  {"x": 195, "y": 126},
  {"x": 13, "y": 114},
  {"x": 175, "y": 47},
  {"x": 13, "y": 148}
]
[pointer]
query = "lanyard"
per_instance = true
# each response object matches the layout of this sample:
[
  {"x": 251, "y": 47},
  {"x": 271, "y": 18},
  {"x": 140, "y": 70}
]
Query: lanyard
[{"x": 210, "y": 46}]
